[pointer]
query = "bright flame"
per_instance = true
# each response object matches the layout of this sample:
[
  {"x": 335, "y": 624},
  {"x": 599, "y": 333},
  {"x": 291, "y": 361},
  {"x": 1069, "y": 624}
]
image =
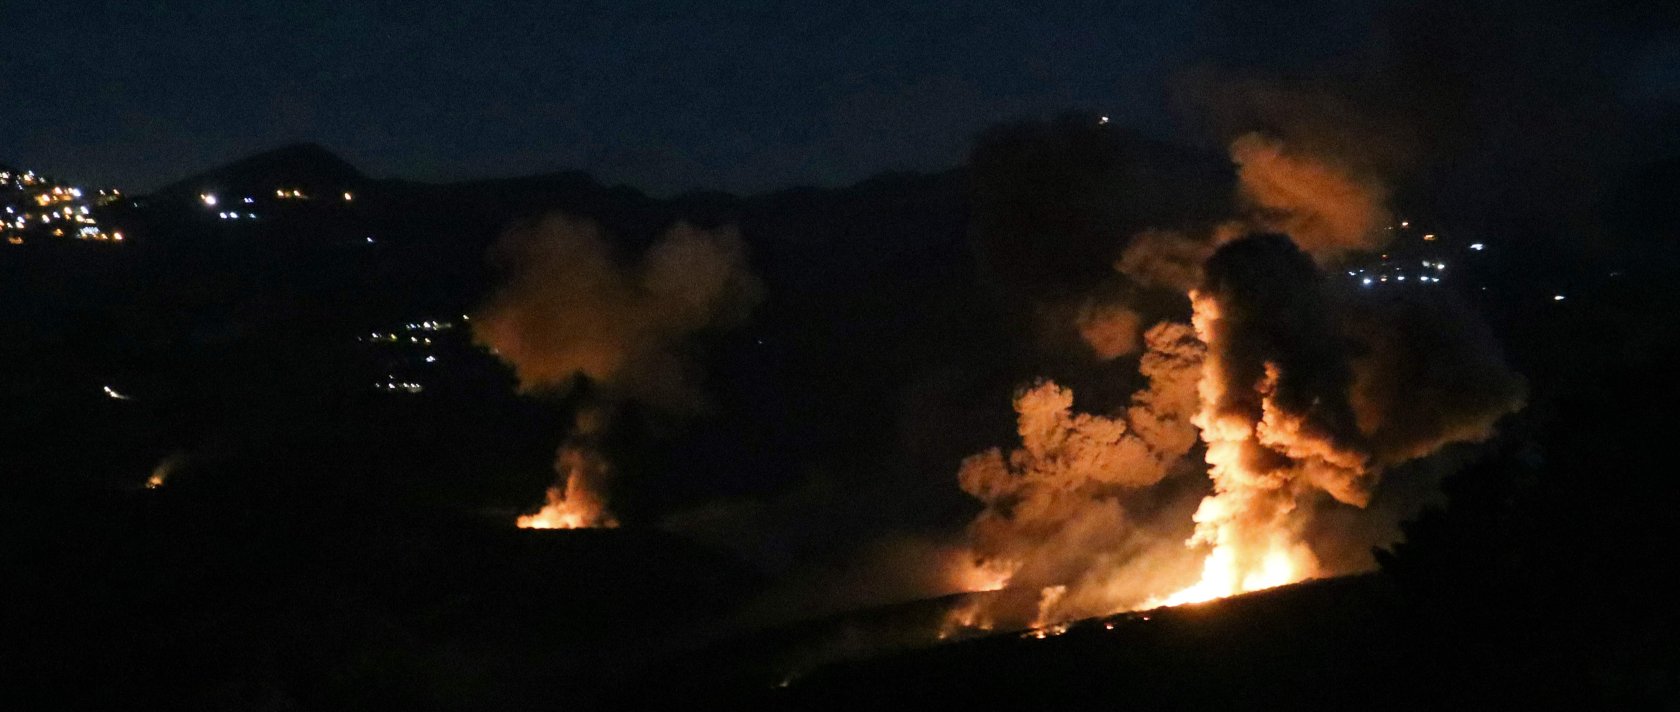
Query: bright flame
[
  {"x": 1246, "y": 518},
  {"x": 568, "y": 510},
  {"x": 578, "y": 506},
  {"x": 1223, "y": 576}
]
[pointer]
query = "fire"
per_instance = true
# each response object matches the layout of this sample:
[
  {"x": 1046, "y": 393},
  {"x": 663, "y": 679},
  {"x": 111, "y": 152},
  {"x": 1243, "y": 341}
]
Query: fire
[
  {"x": 562, "y": 513},
  {"x": 969, "y": 616},
  {"x": 1223, "y": 576},
  {"x": 571, "y": 508},
  {"x": 985, "y": 575},
  {"x": 1246, "y": 519},
  {"x": 165, "y": 468},
  {"x": 579, "y": 505}
]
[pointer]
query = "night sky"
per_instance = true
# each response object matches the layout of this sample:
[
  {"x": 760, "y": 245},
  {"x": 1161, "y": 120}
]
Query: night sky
[
  {"x": 667, "y": 96},
  {"x": 662, "y": 95}
]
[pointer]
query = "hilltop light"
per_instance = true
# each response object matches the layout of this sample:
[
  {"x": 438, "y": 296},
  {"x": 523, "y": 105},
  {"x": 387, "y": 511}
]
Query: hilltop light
[
  {"x": 208, "y": 198},
  {"x": 1557, "y": 297},
  {"x": 1477, "y": 246},
  {"x": 348, "y": 197}
]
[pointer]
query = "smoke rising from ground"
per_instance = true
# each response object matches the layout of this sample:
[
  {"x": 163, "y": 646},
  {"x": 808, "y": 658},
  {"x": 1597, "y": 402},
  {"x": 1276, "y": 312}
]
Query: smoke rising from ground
[
  {"x": 1299, "y": 388},
  {"x": 1311, "y": 393},
  {"x": 1057, "y": 506},
  {"x": 572, "y": 308}
]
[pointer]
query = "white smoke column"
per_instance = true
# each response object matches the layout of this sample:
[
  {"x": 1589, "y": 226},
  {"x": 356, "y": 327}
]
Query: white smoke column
[{"x": 570, "y": 307}]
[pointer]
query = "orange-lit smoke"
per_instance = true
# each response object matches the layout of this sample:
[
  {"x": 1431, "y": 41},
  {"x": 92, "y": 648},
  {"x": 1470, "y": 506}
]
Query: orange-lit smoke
[
  {"x": 1056, "y": 516},
  {"x": 571, "y": 308},
  {"x": 1303, "y": 395},
  {"x": 1291, "y": 408},
  {"x": 1326, "y": 207}
]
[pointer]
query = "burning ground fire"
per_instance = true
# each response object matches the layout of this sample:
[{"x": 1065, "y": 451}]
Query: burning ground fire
[
  {"x": 574, "y": 313},
  {"x": 576, "y": 502},
  {"x": 1302, "y": 392}
]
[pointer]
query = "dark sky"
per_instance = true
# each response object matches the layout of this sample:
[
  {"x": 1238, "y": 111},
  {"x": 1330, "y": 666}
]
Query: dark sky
[{"x": 662, "y": 95}]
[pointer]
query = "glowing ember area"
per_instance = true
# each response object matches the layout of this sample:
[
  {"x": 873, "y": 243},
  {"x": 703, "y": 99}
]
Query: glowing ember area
[{"x": 164, "y": 469}]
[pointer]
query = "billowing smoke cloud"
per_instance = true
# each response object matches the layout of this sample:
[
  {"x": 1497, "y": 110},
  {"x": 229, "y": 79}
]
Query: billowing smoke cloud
[
  {"x": 1327, "y": 208},
  {"x": 1316, "y": 401},
  {"x": 1301, "y": 388},
  {"x": 1057, "y": 507},
  {"x": 1109, "y": 328},
  {"x": 570, "y": 308},
  {"x": 1300, "y": 396}
]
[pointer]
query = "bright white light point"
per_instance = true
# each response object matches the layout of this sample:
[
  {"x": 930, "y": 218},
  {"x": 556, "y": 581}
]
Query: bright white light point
[
  {"x": 1403, "y": 223},
  {"x": 1366, "y": 281},
  {"x": 1557, "y": 297},
  {"x": 1402, "y": 278},
  {"x": 1477, "y": 246},
  {"x": 348, "y": 197},
  {"x": 431, "y": 359},
  {"x": 1102, "y": 120},
  {"x": 208, "y": 198}
]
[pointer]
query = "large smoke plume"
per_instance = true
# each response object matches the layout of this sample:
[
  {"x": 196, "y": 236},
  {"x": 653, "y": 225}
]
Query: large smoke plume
[
  {"x": 1307, "y": 394},
  {"x": 1321, "y": 408},
  {"x": 1301, "y": 390},
  {"x": 572, "y": 309}
]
